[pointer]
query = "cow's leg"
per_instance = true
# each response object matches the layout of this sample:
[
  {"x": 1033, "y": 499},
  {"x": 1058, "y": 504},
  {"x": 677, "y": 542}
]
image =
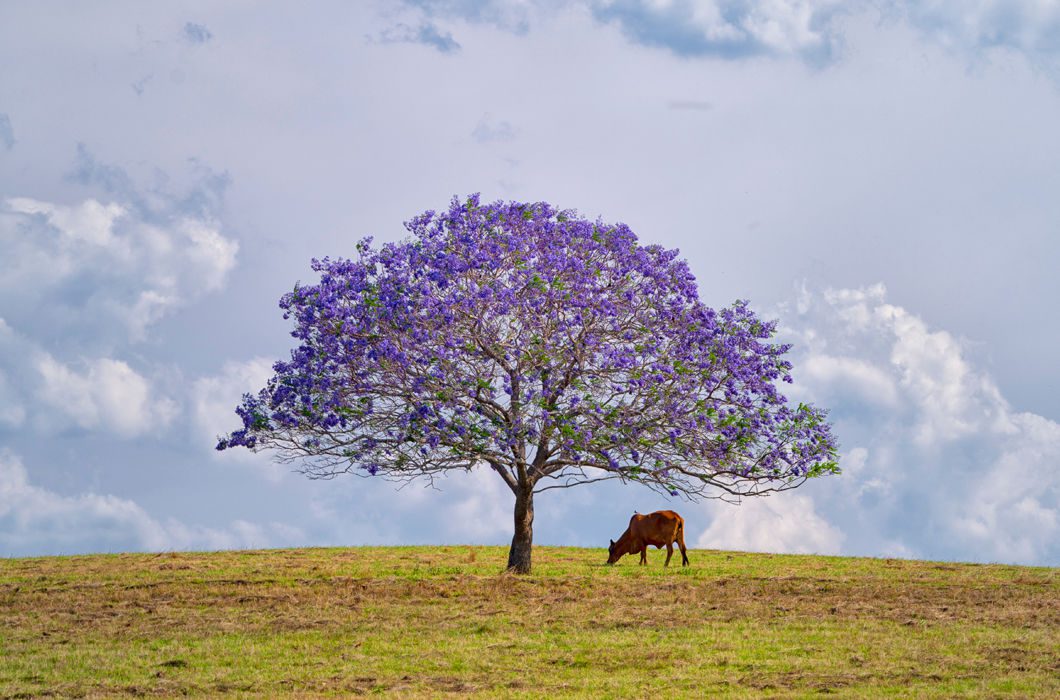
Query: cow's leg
[
  {"x": 669, "y": 553},
  {"x": 644, "y": 555}
]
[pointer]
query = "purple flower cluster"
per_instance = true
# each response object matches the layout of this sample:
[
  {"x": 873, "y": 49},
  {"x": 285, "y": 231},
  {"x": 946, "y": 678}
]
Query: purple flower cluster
[{"x": 555, "y": 349}]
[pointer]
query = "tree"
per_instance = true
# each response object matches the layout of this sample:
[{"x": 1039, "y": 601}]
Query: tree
[{"x": 554, "y": 350}]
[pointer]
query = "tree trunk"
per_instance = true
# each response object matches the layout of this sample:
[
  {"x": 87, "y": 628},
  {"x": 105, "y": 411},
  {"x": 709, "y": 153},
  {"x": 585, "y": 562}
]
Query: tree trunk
[{"x": 523, "y": 539}]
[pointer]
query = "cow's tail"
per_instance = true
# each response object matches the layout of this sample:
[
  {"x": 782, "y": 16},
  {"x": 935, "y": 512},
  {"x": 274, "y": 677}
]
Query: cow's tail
[{"x": 680, "y": 537}]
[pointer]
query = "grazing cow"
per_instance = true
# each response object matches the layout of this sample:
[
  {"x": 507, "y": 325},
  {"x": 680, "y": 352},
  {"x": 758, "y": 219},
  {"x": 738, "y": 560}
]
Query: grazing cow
[{"x": 659, "y": 529}]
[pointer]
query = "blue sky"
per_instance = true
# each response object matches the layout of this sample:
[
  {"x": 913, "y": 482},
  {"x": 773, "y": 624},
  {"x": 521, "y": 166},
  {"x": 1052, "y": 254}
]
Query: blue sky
[{"x": 879, "y": 176}]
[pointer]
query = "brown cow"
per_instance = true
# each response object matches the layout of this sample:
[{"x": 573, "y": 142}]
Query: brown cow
[{"x": 659, "y": 529}]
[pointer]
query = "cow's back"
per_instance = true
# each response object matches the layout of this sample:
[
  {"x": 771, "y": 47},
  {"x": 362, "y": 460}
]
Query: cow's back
[{"x": 658, "y": 527}]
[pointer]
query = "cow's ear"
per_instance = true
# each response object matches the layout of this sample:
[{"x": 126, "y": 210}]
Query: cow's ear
[{"x": 612, "y": 543}]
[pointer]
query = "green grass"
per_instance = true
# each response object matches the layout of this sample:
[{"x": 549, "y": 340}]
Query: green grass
[{"x": 428, "y": 621}]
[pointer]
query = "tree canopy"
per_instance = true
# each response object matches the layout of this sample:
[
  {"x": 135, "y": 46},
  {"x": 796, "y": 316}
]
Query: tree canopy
[{"x": 549, "y": 348}]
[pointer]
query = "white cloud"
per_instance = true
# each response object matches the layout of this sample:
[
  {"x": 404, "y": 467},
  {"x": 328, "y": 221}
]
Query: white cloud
[
  {"x": 211, "y": 255},
  {"x": 810, "y": 29},
  {"x": 861, "y": 379},
  {"x": 213, "y": 403},
  {"x": 954, "y": 400},
  {"x": 944, "y": 467},
  {"x": 108, "y": 394},
  {"x": 461, "y": 508},
  {"x": 216, "y": 397},
  {"x": 902, "y": 360},
  {"x": 727, "y": 30},
  {"x": 104, "y": 262},
  {"x": 482, "y": 511},
  {"x": 35, "y": 521},
  {"x": 782, "y": 523},
  {"x": 89, "y": 221},
  {"x": 1014, "y": 505},
  {"x": 1028, "y": 26}
]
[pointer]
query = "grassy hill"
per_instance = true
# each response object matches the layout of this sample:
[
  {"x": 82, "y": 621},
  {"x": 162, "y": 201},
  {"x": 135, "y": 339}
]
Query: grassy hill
[{"x": 415, "y": 621}]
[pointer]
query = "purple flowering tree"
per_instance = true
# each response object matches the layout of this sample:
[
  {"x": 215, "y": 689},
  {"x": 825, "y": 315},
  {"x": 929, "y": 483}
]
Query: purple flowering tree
[{"x": 550, "y": 349}]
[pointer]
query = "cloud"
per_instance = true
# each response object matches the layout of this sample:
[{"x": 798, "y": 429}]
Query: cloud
[
  {"x": 36, "y": 521},
  {"x": 488, "y": 131},
  {"x": 426, "y": 33},
  {"x": 804, "y": 28},
  {"x": 949, "y": 398},
  {"x": 481, "y": 511},
  {"x": 1030, "y": 27},
  {"x": 782, "y": 523},
  {"x": 216, "y": 397},
  {"x": 857, "y": 379},
  {"x": 159, "y": 202},
  {"x": 81, "y": 279},
  {"x": 1014, "y": 507},
  {"x": 197, "y": 33},
  {"x": 936, "y": 461},
  {"x": 469, "y": 508},
  {"x": 810, "y": 29},
  {"x": 88, "y": 265},
  {"x": 213, "y": 402},
  {"x": 107, "y": 394},
  {"x": 7, "y": 134}
]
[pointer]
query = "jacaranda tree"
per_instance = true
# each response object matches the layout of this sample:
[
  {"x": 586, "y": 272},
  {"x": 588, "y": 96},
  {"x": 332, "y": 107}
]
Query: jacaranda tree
[{"x": 553, "y": 350}]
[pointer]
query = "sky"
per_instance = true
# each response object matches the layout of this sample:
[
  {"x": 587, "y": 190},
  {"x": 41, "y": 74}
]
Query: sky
[{"x": 880, "y": 176}]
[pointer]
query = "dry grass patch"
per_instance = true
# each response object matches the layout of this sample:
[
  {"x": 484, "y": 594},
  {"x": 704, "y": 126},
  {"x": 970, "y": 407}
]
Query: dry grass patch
[{"x": 441, "y": 620}]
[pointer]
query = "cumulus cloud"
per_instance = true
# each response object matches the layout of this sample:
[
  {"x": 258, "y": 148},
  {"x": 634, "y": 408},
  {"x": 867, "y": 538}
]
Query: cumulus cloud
[
  {"x": 838, "y": 375},
  {"x": 685, "y": 27},
  {"x": 106, "y": 394},
  {"x": 481, "y": 510},
  {"x": 936, "y": 462},
  {"x": 728, "y": 29},
  {"x": 785, "y": 522},
  {"x": 1030, "y": 27},
  {"x": 213, "y": 402},
  {"x": 216, "y": 396},
  {"x": 91, "y": 263},
  {"x": 465, "y": 508},
  {"x": 81, "y": 279},
  {"x": 946, "y": 395},
  {"x": 811, "y": 29},
  {"x": 807, "y": 29},
  {"x": 36, "y": 521}
]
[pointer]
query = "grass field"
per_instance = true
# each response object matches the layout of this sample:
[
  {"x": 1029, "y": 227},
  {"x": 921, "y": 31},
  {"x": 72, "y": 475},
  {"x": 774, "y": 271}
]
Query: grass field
[{"x": 426, "y": 621}]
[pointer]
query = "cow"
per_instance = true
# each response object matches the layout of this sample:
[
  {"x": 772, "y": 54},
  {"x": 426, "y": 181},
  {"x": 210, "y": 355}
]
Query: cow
[{"x": 659, "y": 529}]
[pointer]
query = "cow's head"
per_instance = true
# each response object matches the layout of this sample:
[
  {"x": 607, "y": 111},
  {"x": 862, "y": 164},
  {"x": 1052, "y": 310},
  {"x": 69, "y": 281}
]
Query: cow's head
[{"x": 613, "y": 554}]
